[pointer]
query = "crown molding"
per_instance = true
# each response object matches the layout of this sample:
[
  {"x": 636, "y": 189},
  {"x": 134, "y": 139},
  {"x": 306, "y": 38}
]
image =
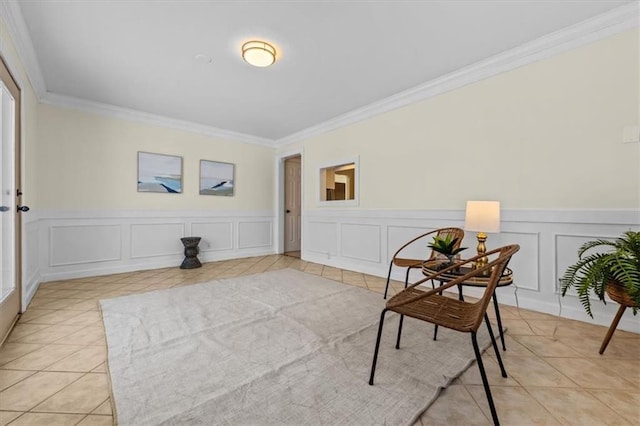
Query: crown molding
[
  {"x": 12, "y": 16},
  {"x": 17, "y": 28},
  {"x": 620, "y": 19},
  {"x": 617, "y": 20},
  {"x": 148, "y": 118}
]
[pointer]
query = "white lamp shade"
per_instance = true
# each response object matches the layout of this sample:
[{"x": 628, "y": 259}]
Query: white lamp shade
[{"x": 482, "y": 216}]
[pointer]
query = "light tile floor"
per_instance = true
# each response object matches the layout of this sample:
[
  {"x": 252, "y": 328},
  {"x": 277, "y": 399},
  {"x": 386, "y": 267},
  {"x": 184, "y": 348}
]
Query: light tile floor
[{"x": 52, "y": 367}]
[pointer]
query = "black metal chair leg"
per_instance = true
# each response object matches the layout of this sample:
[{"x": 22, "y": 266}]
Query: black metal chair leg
[
  {"x": 435, "y": 329},
  {"x": 495, "y": 305},
  {"x": 406, "y": 277},
  {"x": 375, "y": 353},
  {"x": 495, "y": 345},
  {"x": 386, "y": 288},
  {"x": 460, "y": 296},
  {"x": 485, "y": 382},
  {"x": 399, "y": 332}
]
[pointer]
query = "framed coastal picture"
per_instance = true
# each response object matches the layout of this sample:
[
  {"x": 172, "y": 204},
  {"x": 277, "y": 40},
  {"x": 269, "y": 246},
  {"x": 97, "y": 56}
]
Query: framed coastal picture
[
  {"x": 159, "y": 173},
  {"x": 216, "y": 178}
]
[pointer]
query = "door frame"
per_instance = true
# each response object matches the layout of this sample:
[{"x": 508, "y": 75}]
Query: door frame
[
  {"x": 279, "y": 204},
  {"x": 14, "y": 65},
  {"x": 18, "y": 172}
]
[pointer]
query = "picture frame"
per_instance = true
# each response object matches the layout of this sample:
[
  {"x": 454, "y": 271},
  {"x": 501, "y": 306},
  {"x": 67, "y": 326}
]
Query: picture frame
[
  {"x": 159, "y": 173},
  {"x": 217, "y": 178}
]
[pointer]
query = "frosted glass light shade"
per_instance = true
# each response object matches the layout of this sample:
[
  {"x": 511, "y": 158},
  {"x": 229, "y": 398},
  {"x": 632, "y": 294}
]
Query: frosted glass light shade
[
  {"x": 258, "y": 53},
  {"x": 482, "y": 216}
]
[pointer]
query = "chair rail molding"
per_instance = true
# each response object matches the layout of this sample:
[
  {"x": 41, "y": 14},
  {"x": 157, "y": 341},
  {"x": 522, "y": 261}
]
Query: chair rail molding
[
  {"x": 351, "y": 239},
  {"x": 548, "y": 239},
  {"x": 81, "y": 243},
  {"x": 615, "y": 21}
]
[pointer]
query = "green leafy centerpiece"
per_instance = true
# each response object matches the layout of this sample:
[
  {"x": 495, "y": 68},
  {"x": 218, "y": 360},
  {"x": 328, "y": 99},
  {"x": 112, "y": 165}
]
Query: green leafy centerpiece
[{"x": 448, "y": 246}]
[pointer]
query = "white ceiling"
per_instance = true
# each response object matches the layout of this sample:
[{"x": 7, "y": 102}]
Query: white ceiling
[{"x": 333, "y": 56}]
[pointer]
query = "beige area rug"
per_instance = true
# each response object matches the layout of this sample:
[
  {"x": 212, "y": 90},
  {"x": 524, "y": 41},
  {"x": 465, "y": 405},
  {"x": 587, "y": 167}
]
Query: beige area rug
[{"x": 278, "y": 348}]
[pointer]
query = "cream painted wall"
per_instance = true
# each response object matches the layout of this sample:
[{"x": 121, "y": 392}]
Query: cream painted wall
[
  {"x": 88, "y": 161},
  {"x": 30, "y": 274},
  {"x": 547, "y": 135},
  {"x": 30, "y": 148},
  {"x": 29, "y": 115}
]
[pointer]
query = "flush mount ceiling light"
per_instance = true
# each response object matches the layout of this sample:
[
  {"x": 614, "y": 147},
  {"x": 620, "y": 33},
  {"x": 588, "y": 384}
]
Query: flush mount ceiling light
[{"x": 258, "y": 53}]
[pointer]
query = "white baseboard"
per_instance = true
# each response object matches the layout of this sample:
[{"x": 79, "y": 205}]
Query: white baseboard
[
  {"x": 29, "y": 288},
  {"x": 83, "y": 243},
  {"x": 565, "y": 307},
  {"x": 147, "y": 264},
  {"x": 364, "y": 240},
  {"x": 361, "y": 240}
]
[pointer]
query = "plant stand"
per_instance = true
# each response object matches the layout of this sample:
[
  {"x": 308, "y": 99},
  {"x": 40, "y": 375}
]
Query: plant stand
[
  {"x": 618, "y": 294},
  {"x": 190, "y": 253}
]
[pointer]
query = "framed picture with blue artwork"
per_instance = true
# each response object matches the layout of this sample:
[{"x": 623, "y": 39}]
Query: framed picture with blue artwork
[
  {"x": 159, "y": 173},
  {"x": 217, "y": 178}
]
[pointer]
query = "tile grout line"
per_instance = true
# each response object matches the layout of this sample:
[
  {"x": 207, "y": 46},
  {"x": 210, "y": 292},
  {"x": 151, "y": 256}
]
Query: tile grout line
[{"x": 261, "y": 264}]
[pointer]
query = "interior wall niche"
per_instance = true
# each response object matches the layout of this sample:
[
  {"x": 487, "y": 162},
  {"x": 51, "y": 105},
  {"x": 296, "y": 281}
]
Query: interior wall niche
[{"x": 339, "y": 183}]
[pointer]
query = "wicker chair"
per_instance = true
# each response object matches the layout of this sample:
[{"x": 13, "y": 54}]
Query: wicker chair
[
  {"x": 403, "y": 262},
  {"x": 466, "y": 317}
]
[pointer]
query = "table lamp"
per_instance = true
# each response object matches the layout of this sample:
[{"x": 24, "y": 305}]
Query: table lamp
[{"x": 482, "y": 216}]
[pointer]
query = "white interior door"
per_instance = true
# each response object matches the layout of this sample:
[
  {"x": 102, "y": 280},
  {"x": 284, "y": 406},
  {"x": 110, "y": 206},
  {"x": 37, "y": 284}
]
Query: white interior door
[
  {"x": 292, "y": 203},
  {"x": 10, "y": 291}
]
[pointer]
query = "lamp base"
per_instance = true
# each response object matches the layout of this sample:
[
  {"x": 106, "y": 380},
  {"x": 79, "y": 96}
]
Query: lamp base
[{"x": 481, "y": 249}]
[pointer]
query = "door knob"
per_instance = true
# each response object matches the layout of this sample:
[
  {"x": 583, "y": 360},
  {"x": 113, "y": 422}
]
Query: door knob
[
  {"x": 4, "y": 209},
  {"x": 23, "y": 208},
  {"x": 288, "y": 211}
]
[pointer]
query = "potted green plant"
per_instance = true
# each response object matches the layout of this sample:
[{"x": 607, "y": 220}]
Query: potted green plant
[
  {"x": 446, "y": 245},
  {"x": 615, "y": 272}
]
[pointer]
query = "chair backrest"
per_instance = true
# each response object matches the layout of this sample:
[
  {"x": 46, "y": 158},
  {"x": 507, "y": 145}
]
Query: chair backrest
[
  {"x": 496, "y": 268},
  {"x": 453, "y": 232}
]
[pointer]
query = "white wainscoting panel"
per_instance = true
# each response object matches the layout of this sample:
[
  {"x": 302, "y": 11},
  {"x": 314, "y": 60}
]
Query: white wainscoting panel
[
  {"x": 397, "y": 236},
  {"x": 567, "y": 246},
  {"x": 57, "y": 245},
  {"x": 157, "y": 239},
  {"x": 360, "y": 242},
  {"x": 74, "y": 244},
  {"x": 30, "y": 254},
  {"x": 30, "y": 258},
  {"x": 525, "y": 261},
  {"x": 255, "y": 234},
  {"x": 215, "y": 235},
  {"x": 321, "y": 238},
  {"x": 548, "y": 242}
]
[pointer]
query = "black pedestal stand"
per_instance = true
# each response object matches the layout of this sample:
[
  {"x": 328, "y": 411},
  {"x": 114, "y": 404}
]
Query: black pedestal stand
[{"x": 190, "y": 253}]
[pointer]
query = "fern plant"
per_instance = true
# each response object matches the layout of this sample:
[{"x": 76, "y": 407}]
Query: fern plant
[{"x": 595, "y": 271}]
